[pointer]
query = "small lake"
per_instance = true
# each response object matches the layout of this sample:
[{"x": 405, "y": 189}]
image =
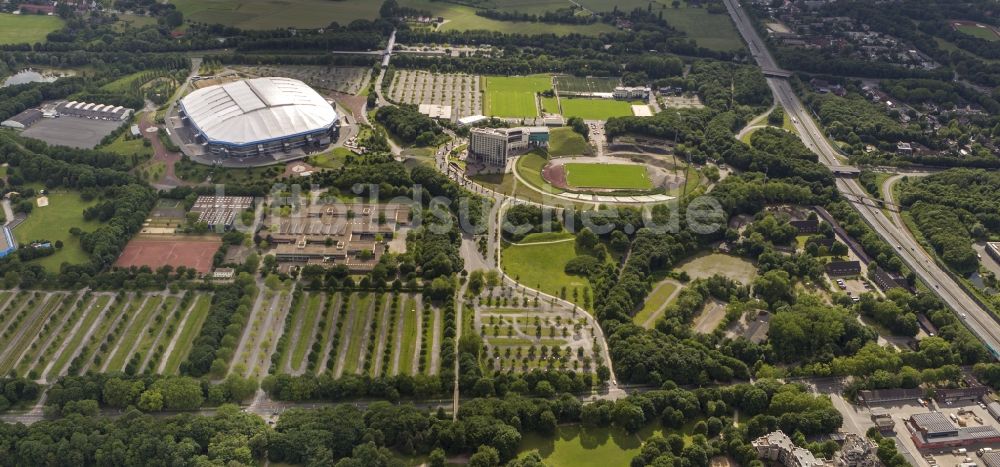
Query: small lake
[{"x": 34, "y": 76}]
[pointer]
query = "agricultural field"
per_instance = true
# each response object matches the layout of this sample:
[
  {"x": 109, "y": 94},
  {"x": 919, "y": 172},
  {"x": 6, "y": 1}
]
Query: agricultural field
[
  {"x": 46, "y": 335},
  {"x": 345, "y": 80},
  {"x": 27, "y": 29},
  {"x": 52, "y": 223},
  {"x": 576, "y": 84},
  {"x": 608, "y": 176},
  {"x": 712, "y": 31},
  {"x": 566, "y": 142},
  {"x": 272, "y": 14},
  {"x": 596, "y": 109},
  {"x": 461, "y": 92},
  {"x": 515, "y": 96}
]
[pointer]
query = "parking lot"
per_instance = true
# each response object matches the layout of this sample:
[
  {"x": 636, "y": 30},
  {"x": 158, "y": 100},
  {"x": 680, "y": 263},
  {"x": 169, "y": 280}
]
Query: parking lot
[{"x": 74, "y": 132}]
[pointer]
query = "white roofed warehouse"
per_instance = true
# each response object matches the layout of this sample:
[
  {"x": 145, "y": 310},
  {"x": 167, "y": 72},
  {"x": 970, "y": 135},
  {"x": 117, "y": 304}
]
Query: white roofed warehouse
[{"x": 259, "y": 116}]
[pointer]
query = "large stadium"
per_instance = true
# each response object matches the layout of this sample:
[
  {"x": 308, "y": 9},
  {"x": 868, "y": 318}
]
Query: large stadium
[{"x": 259, "y": 116}]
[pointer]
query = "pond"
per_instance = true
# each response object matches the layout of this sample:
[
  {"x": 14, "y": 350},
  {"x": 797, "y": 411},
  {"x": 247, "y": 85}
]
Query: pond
[{"x": 34, "y": 76}]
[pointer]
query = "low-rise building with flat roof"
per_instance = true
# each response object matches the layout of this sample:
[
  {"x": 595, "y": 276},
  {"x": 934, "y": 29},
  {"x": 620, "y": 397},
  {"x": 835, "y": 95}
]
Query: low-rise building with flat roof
[
  {"x": 933, "y": 430},
  {"x": 220, "y": 212},
  {"x": 23, "y": 120}
]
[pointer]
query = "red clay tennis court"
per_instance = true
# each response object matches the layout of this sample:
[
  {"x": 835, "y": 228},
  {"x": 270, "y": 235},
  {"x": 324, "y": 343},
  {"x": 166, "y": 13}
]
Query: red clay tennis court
[{"x": 193, "y": 254}]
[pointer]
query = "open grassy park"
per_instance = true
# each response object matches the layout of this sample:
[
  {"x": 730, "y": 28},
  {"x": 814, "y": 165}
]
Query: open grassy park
[
  {"x": 514, "y": 96},
  {"x": 579, "y": 445},
  {"x": 52, "y": 223},
  {"x": 610, "y": 176},
  {"x": 21, "y": 29},
  {"x": 540, "y": 265},
  {"x": 595, "y": 109}
]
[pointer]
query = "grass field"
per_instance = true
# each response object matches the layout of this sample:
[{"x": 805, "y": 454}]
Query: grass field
[
  {"x": 271, "y": 14},
  {"x": 707, "y": 265},
  {"x": 715, "y": 32},
  {"x": 611, "y": 176},
  {"x": 566, "y": 142},
  {"x": 301, "y": 346},
  {"x": 578, "y": 445},
  {"x": 514, "y": 96},
  {"x": 77, "y": 339},
  {"x": 133, "y": 332},
  {"x": 541, "y": 266},
  {"x": 975, "y": 31},
  {"x": 408, "y": 345},
  {"x": 529, "y": 166},
  {"x": 187, "y": 334},
  {"x": 654, "y": 301},
  {"x": 361, "y": 305},
  {"x": 588, "y": 84},
  {"x": 21, "y": 29},
  {"x": 134, "y": 149},
  {"x": 52, "y": 223},
  {"x": 595, "y": 109}
]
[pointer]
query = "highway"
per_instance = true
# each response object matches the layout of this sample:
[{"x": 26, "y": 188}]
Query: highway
[{"x": 976, "y": 318}]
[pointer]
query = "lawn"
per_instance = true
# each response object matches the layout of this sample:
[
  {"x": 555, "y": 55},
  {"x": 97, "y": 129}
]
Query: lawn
[
  {"x": 566, "y": 142},
  {"x": 596, "y": 109},
  {"x": 134, "y": 148},
  {"x": 52, "y": 223},
  {"x": 541, "y": 266},
  {"x": 27, "y": 29},
  {"x": 514, "y": 96},
  {"x": 654, "y": 301},
  {"x": 185, "y": 340},
  {"x": 306, "y": 331},
  {"x": 708, "y": 264},
  {"x": 612, "y": 176},
  {"x": 135, "y": 327},
  {"x": 577, "y": 445},
  {"x": 333, "y": 159},
  {"x": 361, "y": 306},
  {"x": 529, "y": 166},
  {"x": 77, "y": 339},
  {"x": 587, "y": 84},
  {"x": 408, "y": 345},
  {"x": 550, "y": 105},
  {"x": 976, "y": 31}
]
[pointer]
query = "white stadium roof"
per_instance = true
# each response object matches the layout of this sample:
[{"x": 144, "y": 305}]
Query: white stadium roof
[{"x": 257, "y": 110}]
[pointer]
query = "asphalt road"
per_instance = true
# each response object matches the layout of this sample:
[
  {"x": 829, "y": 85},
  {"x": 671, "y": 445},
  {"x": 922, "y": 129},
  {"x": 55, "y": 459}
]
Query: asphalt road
[{"x": 976, "y": 318}]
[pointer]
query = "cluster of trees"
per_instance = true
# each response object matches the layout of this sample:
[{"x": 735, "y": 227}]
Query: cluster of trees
[
  {"x": 945, "y": 228},
  {"x": 811, "y": 330},
  {"x": 889, "y": 314},
  {"x": 149, "y": 393},
  {"x": 970, "y": 192},
  {"x": 854, "y": 119},
  {"x": 523, "y": 219},
  {"x": 216, "y": 342},
  {"x": 15, "y": 391},
  {"x": 329, "y": 39},
  {"x": 559, "y": 16},
  {"x": 409, "y": 125}
]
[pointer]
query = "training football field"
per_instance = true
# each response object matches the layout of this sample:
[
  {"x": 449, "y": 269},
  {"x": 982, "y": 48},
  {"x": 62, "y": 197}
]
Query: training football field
[
  {"x": 514, "y": 96},
  {"x": 609, "y": 176}
]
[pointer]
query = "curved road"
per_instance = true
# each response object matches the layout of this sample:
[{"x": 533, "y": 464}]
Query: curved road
[{"x": 977, "y": 319}]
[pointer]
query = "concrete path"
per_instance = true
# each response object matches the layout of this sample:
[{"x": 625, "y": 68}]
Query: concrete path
[{"x": 648, "y": 324}]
